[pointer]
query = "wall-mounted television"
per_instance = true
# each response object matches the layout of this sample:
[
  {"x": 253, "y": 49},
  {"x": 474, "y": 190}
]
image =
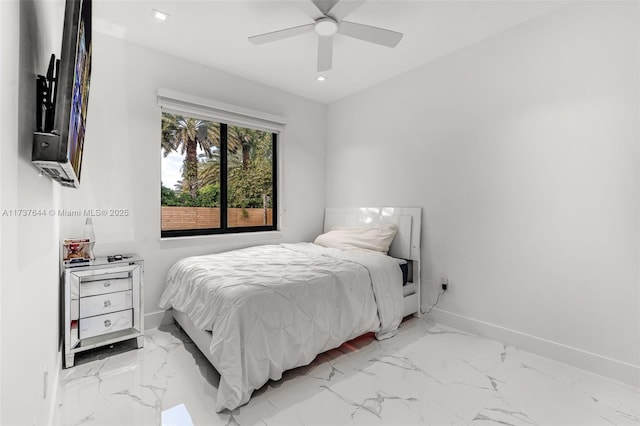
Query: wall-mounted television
[{"x": 63, "y": 97}]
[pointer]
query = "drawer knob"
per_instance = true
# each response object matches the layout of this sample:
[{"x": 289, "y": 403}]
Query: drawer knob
[
  {"x": 107, "y": 283},
  {"x": 107, "y": 323},
  {"x": 107, "y": 303}
]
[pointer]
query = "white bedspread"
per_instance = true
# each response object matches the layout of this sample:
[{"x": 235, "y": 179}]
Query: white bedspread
[{"x": 272, "y": 308}]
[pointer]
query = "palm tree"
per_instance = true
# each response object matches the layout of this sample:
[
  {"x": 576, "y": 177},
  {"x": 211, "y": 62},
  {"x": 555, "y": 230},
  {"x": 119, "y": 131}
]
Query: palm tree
[
  {"x": 209, "y": 167},
  {"x": 186, "y": 134},
  {"x": 241, "y": 138},
  {"x": 251, "y": 181},
  {"x": 240, "y": 144}
]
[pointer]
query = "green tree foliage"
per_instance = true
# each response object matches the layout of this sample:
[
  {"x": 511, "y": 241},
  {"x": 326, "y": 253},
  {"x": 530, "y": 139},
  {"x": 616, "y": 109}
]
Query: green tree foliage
[
  {"x": 250, "y": 184},
  {"x": 207, "y": 196},
  {"x": 185, "y": 134},
  {"x": 168, "y": 197},
  {"x": 249, "y": 163}
]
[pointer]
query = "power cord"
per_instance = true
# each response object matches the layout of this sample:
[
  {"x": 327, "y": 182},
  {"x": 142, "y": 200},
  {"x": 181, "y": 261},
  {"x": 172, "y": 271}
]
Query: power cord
[{"x": 437, "y": 300}]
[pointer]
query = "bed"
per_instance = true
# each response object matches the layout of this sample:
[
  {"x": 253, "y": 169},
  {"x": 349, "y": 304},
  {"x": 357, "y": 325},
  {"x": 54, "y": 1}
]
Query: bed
[{"x": 257, "y": 312}]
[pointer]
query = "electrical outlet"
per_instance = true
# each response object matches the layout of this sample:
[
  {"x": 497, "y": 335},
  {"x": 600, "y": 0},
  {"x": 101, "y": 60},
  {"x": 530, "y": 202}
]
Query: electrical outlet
[{"x": 444, "y": 282}]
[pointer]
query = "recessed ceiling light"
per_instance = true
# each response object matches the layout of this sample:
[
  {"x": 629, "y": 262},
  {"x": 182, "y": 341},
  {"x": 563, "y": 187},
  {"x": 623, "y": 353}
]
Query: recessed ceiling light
[
  {"x": 321, "y": 78},
  {"x": 160, "y": 15}
]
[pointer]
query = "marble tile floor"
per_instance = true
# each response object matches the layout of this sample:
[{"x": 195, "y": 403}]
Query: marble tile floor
[{"x": 427, "y": 374}]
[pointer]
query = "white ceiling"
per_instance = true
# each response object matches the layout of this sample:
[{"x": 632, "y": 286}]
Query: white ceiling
[{"x": 214, "y": 33}]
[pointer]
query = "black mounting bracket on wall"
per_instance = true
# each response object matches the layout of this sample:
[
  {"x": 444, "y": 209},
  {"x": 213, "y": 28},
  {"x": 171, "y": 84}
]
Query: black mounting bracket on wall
[{"x": 47, "y": 93}]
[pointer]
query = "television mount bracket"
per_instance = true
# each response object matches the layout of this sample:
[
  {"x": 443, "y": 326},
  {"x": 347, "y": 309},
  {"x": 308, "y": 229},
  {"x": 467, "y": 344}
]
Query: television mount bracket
[{"x": 47, "y": 93}]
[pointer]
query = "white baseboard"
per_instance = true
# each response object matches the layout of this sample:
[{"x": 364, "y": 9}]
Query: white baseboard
[
  {"x": 599, "y": 364},
  {"x": 55, "y": 385},
  {"x": 156, "y": 319}
]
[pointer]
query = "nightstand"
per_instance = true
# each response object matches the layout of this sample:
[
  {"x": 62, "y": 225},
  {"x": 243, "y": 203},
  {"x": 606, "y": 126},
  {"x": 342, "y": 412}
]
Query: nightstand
[{"x": 103, "y": 304}]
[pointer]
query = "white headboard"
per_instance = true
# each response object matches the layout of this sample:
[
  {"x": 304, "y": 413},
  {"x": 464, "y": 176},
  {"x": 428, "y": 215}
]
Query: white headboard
[{"x": 405, "y": 245}]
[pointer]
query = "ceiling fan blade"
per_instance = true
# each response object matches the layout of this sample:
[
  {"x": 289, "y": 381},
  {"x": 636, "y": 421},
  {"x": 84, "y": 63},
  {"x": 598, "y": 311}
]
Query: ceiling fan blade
[
  {"x": 345, "y": 7},
  {"x": 280, "y": 34},
  {"x": 325, "y": 53},
  {"x": 371, "y": 34},
  {"x": 311, "y": 9}
]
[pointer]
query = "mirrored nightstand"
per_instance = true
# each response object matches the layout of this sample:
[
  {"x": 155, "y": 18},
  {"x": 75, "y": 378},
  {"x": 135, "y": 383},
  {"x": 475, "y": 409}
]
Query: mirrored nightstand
[{"x": 103, "y": 304}]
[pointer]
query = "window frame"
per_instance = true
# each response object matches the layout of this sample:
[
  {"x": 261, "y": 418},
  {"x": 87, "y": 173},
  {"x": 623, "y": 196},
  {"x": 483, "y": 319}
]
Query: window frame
[{"x": 191, "y": 106}]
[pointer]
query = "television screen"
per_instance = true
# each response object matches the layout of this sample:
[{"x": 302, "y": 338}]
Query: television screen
[
  {"x": 80, "y": 89},
  {"x": 58, "y": 147}
]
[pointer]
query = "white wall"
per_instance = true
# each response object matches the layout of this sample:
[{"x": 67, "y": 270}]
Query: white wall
[
  {"x": 29, "y": 32},
  {"x": 121, "y": 165},
  {"x": 523, "y": 152}
]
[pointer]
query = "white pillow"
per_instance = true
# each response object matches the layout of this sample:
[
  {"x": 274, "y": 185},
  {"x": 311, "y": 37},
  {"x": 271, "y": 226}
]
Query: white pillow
[{"x": 375, "y": 237}]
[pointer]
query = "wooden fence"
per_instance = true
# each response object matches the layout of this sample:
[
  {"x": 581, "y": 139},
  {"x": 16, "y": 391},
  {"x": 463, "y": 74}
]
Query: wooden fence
[{"x": 176, "y": 218}]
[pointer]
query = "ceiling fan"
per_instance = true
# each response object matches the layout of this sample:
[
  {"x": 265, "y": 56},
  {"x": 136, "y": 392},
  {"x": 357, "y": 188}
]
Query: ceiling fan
[{"x": 328, "y": 16}]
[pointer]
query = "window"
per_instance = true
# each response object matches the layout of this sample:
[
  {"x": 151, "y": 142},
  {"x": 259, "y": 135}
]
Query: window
[
  {"x": 216, "y": 177},
  {"x": 219, "y": 166}
]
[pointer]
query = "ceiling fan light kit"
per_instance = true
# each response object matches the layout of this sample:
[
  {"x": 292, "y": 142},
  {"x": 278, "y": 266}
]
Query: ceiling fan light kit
[
  {"x": 327, "y": 24},
  {"x": 326, "y": 27}
]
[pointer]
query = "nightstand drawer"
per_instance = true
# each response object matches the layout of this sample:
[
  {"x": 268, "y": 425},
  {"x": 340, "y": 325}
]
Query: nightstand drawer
[
  {"x": 108, "y": 323},
  {"x": 93, "y": 288},
  {"x": 105, "y": 303}
]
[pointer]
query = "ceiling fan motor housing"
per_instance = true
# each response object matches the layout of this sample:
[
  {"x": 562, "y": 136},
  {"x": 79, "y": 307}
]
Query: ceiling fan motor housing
[{"x": 326, "y": 26}]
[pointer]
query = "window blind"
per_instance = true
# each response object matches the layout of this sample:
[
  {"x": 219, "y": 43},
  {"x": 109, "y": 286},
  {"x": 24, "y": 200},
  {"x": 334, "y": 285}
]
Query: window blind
[{"x": 182, "y": 103}]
